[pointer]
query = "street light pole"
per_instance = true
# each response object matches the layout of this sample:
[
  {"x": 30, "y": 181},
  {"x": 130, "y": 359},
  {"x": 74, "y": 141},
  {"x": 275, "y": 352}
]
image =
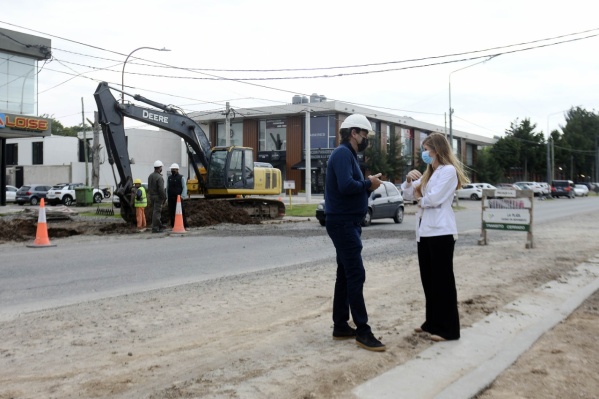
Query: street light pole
[
  {"x": 450, "y": 109},
  {"x": 125, "y": 63}
]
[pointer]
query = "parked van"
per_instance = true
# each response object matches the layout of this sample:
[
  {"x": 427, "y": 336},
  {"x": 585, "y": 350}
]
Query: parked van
[{"x": 562, "y": 188}]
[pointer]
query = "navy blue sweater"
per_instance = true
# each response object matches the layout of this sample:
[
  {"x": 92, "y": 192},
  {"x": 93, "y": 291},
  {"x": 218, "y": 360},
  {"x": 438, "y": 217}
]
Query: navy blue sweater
[{"x": 346, "y": 190}]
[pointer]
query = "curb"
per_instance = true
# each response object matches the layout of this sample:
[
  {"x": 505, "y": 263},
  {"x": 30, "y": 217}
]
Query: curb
[{"x": 462, "y": 369}]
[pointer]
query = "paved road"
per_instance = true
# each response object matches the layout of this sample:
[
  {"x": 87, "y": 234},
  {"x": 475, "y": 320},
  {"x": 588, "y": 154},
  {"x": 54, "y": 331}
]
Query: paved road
[{"x": 91, "y": 268}]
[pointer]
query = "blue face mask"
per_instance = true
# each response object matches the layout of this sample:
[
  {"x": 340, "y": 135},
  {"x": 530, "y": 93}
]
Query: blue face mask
[{"x": 427, "y": 158}]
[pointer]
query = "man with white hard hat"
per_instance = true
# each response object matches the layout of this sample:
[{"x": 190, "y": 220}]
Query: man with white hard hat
[
  {"x": 157, "y": 196},
  {"x": 175, "y": 186},
  {"x": 346, "y": 204}
]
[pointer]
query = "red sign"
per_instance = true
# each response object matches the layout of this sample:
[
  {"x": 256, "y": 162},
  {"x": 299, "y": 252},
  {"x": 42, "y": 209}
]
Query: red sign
[{"x": 26, "y": 123}]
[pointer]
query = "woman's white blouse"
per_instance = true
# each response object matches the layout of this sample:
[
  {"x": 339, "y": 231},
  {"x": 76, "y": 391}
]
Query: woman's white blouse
[{"x": 435, "y": 216}]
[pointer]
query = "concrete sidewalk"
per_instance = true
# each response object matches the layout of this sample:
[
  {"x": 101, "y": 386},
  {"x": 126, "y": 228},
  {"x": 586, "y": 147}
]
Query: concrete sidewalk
[{"x": 461, "y": 369}]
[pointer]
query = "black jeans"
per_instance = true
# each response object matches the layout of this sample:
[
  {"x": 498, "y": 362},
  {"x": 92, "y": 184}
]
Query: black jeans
[
  {"x": 435, "y": 257},
  {"x": 156, "y": 210},
  {"x": 346, "y": 237}
]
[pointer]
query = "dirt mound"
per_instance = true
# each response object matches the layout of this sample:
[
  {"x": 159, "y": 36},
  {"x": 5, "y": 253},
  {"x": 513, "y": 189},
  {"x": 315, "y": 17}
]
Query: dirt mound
[{"x": 200, "y": 212}]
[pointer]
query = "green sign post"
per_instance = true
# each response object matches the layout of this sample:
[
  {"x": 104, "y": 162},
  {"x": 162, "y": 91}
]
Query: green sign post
[{"x": 510, "y": 210}]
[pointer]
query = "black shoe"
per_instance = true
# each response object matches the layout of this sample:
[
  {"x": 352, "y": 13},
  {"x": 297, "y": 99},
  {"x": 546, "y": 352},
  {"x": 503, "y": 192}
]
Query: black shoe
[
  {"x": 369, "y": 342},
  {"x": 343, "y": 332},
  {"x": 157, "y": 230}
]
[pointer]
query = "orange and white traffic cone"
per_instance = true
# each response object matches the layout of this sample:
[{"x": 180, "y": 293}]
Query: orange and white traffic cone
[
  {"x": 41, "y": 236},
  {"x": 178, "y": 227}
]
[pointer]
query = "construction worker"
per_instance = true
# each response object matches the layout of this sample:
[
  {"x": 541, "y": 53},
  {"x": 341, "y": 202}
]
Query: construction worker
[
  {"x": 157, "y": 196},
  {"x": 141, "y": 202},
  {"x": 176, "y": 185}
]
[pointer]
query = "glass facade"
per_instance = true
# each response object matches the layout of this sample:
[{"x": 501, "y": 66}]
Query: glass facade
[
  {"x": 235, "y": 134},
  {"x": 407, "y": 143},
  {"x": 272, "y": 135},
  {"x": 18, "y": 84},
  {"x": 322, "y": 131}
]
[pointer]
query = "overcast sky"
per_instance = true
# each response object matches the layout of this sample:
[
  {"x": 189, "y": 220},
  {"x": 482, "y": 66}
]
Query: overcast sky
[{"x": 91, "y": 39}]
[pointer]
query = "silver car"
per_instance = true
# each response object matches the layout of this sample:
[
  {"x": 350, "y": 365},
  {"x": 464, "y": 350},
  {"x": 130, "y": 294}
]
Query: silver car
[{"x": 384, "y": 202}]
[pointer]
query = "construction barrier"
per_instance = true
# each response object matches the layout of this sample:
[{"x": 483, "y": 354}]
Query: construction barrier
[
  {"x": 41, "y": 235},
  {"x": 178, "y": 226}
]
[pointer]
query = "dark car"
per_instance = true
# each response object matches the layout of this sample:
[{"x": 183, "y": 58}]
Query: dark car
[
  {"x": 384, "y": 202},
  {"x": 31, "y": 193},
  {"x": 562, "y": 188}
]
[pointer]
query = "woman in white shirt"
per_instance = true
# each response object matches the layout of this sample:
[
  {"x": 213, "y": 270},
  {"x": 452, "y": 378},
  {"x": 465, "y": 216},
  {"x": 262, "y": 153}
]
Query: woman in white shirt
[{"x": 436, "y": 233}]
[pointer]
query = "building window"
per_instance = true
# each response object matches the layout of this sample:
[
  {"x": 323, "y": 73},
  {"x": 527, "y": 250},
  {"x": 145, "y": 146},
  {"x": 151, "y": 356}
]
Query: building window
[
  {"x": 18, "y": 83},
  {"x": 272, "y": 135},
  {"x": 82, "y": 151},
  {"x": 12, "y": 154},
  {"x": 235, "y": 134},
  {"x": 407, "y": 143},
  {"x": 322, "y": 131},
  {"x": 38, "y": 153},
  {"x": 469, "y": 155}
]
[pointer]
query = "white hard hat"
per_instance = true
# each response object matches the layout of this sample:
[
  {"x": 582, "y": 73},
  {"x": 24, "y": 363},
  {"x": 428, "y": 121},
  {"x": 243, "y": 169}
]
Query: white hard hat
[
  {"x": 175, "y": 166},
  {"x": 357, "y": 121},
  {"x": 158, "y": 164}
]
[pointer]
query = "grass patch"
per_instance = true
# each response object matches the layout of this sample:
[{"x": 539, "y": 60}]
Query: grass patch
[{"x": 301, "y": 210}]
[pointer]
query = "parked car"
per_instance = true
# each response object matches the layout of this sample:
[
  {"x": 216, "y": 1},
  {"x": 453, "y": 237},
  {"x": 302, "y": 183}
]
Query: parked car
[
  {"x": 536, "y": 188},
  {"x": 116, "y": 201},
  {"x": 11, "y": 193},
  {"x": 546, "y": 188},
  {"x": 562, "y": 188},
  {"x": 65, "y": 193},
  {"x": 474, "y": 191},
  {"x": 581, "y": 190},
  {"x": 384, "y": 202},
  {"x": 31, "y": 193}
]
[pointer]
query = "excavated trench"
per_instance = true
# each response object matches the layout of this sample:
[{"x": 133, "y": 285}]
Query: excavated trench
[{"x": 199, "y": 212}]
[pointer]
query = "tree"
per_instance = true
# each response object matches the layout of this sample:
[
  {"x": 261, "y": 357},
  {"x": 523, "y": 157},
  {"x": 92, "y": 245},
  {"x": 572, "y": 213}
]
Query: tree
[
  {"x": 376, "y": 160},
  {"x": 486, "y": 167},
  {"x": 521, "y": 154},
  {"x": 58, "y": 128},
  {"x": 395, "y": 159},
  {"x": 575, "y": 150}
]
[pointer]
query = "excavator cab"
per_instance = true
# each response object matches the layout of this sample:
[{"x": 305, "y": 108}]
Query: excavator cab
[{"x": 230, "y": 168}]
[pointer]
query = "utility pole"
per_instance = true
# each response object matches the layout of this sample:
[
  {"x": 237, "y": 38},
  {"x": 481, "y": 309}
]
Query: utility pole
[
  {"x": 548, "y": 162},
  {"x": 596, "y": 161},
  {"x": 552, "y": 159},
  {"x": 84, "y": 144},
  {"x": 227, "y": 126},
  {"x": 308, "y": 160},
  {"x": 95, "y": 151}
]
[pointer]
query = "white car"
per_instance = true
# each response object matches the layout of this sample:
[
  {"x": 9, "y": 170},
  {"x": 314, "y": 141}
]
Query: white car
[
  {"x": 11, "y": 193},
  {"x": 474, "y": 191},
  {"x": 546, "y": 188},
  {"x": 65, "y": 193},
  {"x": 580, "y": 190},
  {"x": 536, "y": 188}
]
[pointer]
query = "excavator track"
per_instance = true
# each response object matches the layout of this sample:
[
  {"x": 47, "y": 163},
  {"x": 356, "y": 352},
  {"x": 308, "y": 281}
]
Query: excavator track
[{"x": 260, "y": 208}]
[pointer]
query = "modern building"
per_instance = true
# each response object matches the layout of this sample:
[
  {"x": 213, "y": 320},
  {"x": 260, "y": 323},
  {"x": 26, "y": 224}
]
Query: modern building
[
  {"x": 277, "y": 133},
  {"x": 19, "y": 57}
]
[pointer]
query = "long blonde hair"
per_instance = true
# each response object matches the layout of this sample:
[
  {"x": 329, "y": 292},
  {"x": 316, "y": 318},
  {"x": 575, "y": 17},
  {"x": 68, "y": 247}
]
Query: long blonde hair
[{"x": 444, "y": 155}]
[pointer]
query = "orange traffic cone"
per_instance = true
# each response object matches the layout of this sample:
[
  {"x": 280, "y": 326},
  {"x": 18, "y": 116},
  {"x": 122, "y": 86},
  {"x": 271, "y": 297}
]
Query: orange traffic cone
[
  {"x": 41, "y": 236},
  {"x": 178, "y": 227}
]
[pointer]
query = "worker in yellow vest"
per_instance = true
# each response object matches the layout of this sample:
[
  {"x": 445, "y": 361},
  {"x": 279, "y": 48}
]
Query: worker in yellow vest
[{"x": 141, "y": 202}]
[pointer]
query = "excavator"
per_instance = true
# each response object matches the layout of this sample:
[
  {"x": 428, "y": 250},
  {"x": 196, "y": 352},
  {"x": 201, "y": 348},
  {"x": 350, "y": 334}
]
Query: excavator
[{"x": 230, "y": 174}]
